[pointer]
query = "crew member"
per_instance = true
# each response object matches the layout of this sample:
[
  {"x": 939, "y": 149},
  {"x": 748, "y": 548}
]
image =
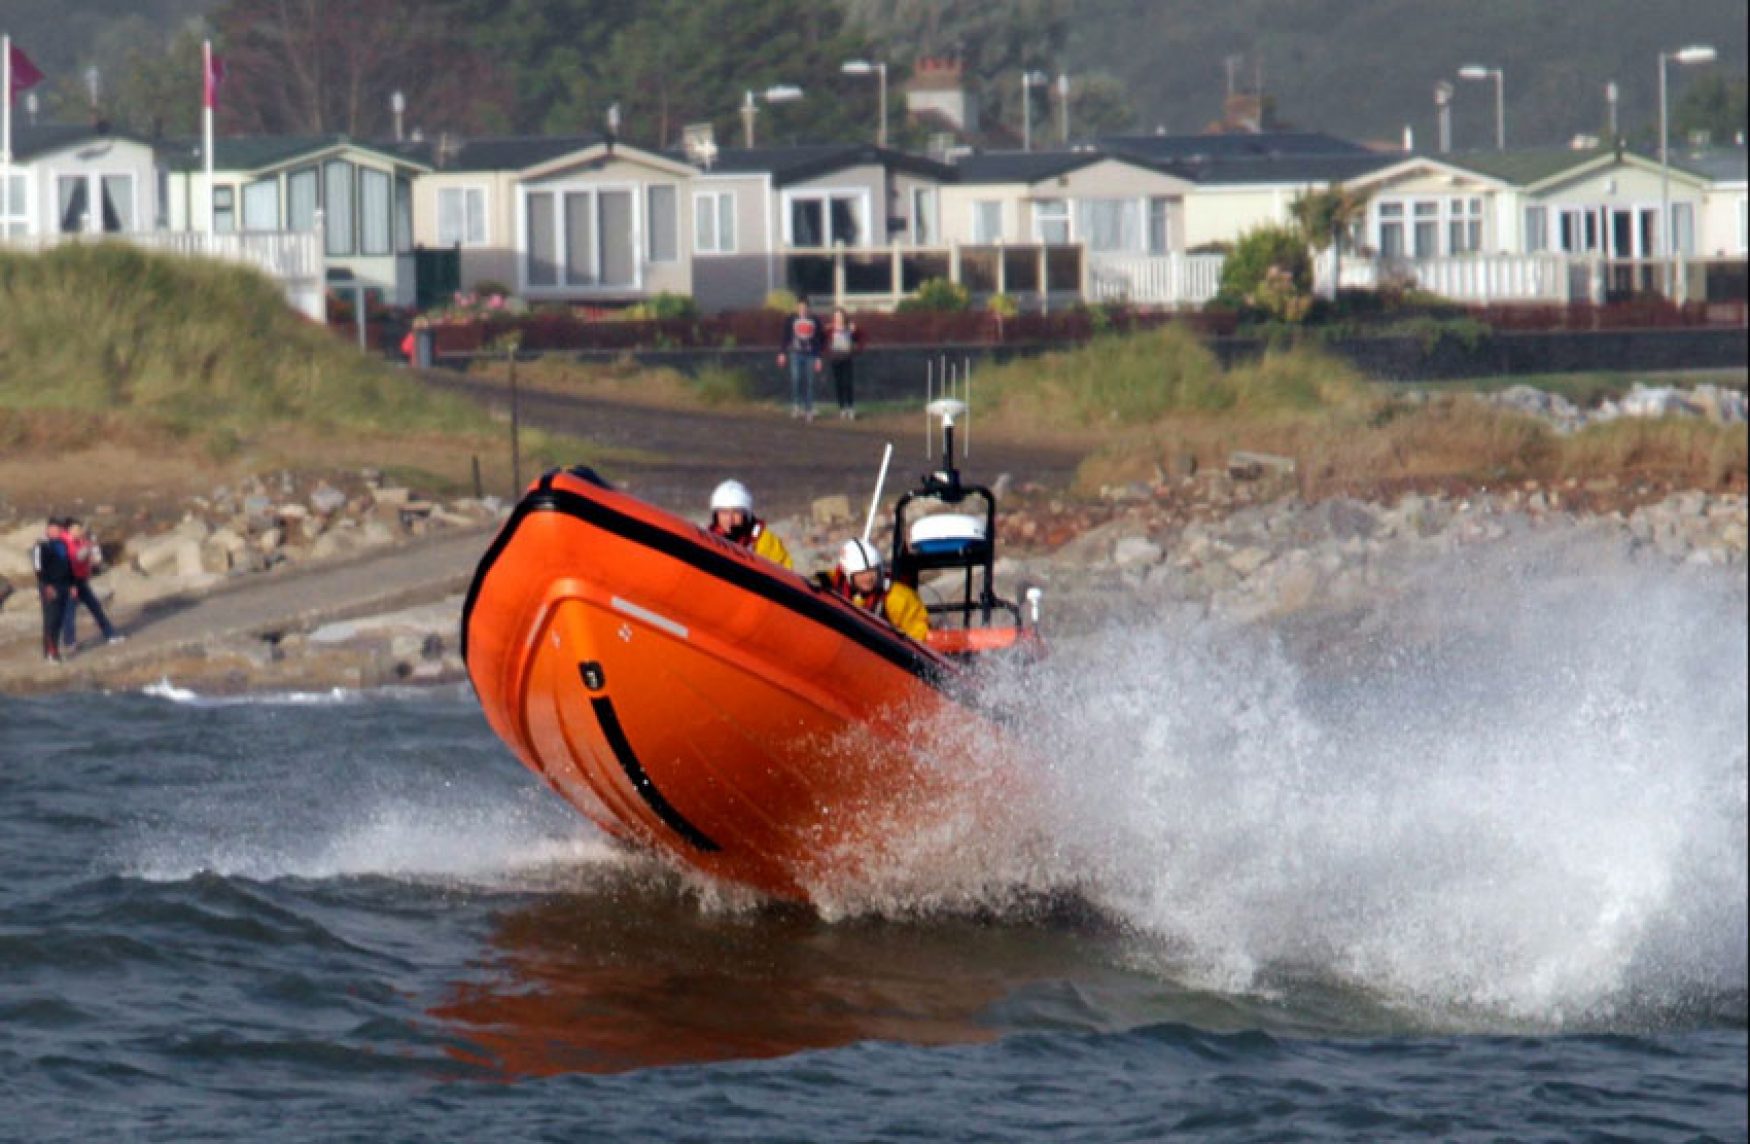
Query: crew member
[
  {"x": 861, "y": 578},
  {"x": 732, "y": 518}
]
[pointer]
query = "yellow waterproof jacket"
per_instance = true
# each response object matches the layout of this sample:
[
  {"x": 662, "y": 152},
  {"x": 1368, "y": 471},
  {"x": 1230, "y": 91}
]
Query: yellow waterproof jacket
[
  {"x": 906, "y": 612},
  {"x": 767, "y": 544},
  {"x": 761, "y": 540},
  {"x": 898, "y": 602}
]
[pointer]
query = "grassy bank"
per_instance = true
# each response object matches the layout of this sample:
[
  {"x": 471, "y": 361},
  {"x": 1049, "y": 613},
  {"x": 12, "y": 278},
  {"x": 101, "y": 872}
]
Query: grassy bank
[
  {"x": 1160, "y": 403},
  {"x": 149, "y": 354}
]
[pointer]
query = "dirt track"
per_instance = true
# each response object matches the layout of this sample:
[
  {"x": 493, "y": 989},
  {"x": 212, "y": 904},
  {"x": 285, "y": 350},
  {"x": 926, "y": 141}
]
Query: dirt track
[{"x": 786, "y": 463}]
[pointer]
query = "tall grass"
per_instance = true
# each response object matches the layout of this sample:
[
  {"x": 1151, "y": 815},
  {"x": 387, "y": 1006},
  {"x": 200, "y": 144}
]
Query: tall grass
[
  {"x": 193, "y": 344},
  {"x": 1138, "y": 379},
  {"x": 1160, "y": 403}
]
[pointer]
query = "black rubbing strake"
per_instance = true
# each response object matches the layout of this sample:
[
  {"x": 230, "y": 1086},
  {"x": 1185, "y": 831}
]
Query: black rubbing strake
[{"x": 622, "y": 748}]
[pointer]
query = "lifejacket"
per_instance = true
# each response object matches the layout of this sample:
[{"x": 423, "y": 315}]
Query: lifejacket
[
  {"x": 869, "y": 601},
  {"x": 745, "y": 536},
  {"x": 755, "y": 537}
]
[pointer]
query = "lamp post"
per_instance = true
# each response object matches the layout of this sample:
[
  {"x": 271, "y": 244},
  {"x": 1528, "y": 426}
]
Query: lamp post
[
  {"x": 1063, "y": 108},
  {"x": 1477, "y": 71},
  {"x": 1029, "y": 81},
  {"x": 1694, "y": 54},
  {"x": 398, "y": 105},
  {"x": 1610, "y": 98},
  {"x": 777, "y": 93},
  {"x": 879, "y": 70}
]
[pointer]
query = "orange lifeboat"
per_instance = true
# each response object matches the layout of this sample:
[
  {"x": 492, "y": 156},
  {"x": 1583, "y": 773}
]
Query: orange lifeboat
[{"x": 691, "y": 697}]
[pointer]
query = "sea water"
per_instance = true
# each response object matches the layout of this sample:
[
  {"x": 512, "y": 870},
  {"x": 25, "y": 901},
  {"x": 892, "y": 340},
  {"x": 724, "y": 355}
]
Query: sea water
[{"x": 1469, "y": 864}]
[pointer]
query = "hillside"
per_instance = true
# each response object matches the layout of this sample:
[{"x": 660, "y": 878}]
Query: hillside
[
  {"x": 1359, "y": 68},
  {"x": 1366, "y": 68}
]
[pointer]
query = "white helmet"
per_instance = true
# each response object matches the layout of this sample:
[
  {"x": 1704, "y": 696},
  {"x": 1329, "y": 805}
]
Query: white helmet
[
  {"x": 731, "y": 494},
  {"x": 858, "y": 556}
]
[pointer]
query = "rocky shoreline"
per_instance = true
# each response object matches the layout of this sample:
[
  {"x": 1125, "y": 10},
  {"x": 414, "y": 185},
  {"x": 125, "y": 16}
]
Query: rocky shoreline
[{"x": 1240, "y": 544}]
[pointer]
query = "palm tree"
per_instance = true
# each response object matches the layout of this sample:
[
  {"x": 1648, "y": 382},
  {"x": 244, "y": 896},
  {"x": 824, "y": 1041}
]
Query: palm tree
[{"x": 1329, "y": 219}]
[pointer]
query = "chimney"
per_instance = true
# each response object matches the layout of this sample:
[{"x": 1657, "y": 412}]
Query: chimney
[{"x": 937, "y": 89}]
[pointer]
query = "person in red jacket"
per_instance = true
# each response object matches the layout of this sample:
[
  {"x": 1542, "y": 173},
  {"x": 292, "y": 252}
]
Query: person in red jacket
[{"x": 83, "y": 555}]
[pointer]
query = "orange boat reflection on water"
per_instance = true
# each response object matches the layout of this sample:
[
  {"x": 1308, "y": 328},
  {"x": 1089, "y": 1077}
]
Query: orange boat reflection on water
[{"x": 631, "y": 979}]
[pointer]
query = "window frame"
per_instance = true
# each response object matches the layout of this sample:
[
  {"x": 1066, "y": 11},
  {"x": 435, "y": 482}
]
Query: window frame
[
  {"x": 826, "y": 197},
  {"x": 372, "y": 215},
  {"x": 651, "y": 254},
  {"x": 561, "y": 194},
  {"x": 244, "y": 201},
  {"x": 721, "y": 210},
  {"x": 227, "y": 211},
  {"x": 467, "y": 239},
  {"x": 1052, "y": 212},
  {"x": 982, "y": 234},
  {"x": 339, "y": 242}
]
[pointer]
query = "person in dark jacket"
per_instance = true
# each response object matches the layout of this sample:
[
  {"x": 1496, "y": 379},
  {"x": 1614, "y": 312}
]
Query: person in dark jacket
[
  {"x": 54, "y": 582},
  {"x": 800, "y": 348},
  {"x": 83, "y": 556}
]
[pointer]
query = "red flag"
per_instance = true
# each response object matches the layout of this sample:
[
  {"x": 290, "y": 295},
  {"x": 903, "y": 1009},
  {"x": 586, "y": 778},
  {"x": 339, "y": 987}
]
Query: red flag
[
  {"x": 214, "y": 77},
  {"x": 24, "y": 73}
]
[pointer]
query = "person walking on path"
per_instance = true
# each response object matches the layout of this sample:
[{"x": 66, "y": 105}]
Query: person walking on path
[
  {"x": 800, "y": 348},
  {"x": 83, "y": 555},
  {"x": 54, "y": 582},
  {"x": 843, "y": 339}
]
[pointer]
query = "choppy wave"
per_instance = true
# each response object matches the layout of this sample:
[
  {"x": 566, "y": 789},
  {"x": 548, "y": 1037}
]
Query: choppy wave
[
  {"x": 166, "y": 690},
  {"x": 1508, "y": 792}
]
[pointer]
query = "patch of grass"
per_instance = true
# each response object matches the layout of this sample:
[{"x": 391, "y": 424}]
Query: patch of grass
[
  {"x": 1158, "y": 404},
  {"x": 623, "y": 380},
  {"x": 193, "y": 343},
  {"x": 1166, "y": 372},
  {"x": 1671, "y": 448},
  {"x": 717, "y": 386}
]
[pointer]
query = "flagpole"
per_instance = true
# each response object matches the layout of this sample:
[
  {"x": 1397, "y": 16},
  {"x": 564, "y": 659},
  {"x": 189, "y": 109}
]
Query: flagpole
[
  {"x": 5, "y": 129},
  {"x": 207, "y": 130}
]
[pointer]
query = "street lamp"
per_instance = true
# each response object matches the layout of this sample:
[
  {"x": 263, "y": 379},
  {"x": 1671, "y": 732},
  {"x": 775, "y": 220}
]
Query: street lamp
[
  {"x": 1063, "y": 108},
  {"x": 398, "y": 105},
  {"x": 1029, "y": 81},
  {"x": 777, "y": 93},
  {"x": 1477, "y": 71},
  {"x": 879, "y": 70},
  {"x": 1695, "y": 54}
]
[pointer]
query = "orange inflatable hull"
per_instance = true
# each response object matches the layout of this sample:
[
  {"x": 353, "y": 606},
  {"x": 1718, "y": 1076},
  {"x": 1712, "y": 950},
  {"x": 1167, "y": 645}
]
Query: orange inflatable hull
[{"x": 689, "y": 696}]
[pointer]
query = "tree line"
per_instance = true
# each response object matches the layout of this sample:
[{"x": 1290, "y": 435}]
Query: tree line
[{"x": 556, "y": 66}]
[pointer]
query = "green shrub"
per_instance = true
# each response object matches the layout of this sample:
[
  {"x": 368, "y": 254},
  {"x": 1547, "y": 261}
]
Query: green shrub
[
  {"x": 937, "y": 295},
  {"x": 1255, "y": 255},
  {"x": 781, "y": 300},
  {"x": 1003, "y": 305},
  {"x": 664, "y": 306}
]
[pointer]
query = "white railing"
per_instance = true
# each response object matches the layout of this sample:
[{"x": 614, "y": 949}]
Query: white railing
[
  {"x": 1488, "y": 277},
  {"x": 294, "y": 259},
  {"x": 1154, "y": 279}
]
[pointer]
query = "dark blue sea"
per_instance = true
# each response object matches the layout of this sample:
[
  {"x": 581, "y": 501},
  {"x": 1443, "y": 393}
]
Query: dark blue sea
[{"x": 1475, "y": 874}]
